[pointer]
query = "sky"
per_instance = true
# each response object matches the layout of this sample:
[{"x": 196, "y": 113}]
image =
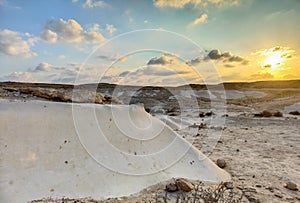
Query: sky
[{"x": 149, "y": 42}]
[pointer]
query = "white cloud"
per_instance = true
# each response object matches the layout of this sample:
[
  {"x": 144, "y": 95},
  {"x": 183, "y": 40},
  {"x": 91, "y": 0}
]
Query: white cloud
[
  {"x": 48, "y": 73},
  {"x": 19, "y": 77},
  {"x": 201, "y": 19},
  {"x": 43, "y": 67},
  {"x": 93, "y": 3},
  {"x": 62, "y": 57},
  {"x": 49, "y": 36},
  {"x": 69, "y": 32},
  {"x": 178, "y": 4},
  {"x": 163, "y": 70},
  {"x": 110, "y": 28},
  {"x": 12, "y": 44}
]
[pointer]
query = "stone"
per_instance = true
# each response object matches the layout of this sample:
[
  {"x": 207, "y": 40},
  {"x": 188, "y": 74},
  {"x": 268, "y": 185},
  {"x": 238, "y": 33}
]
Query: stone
[
  {"x": 228, "y": 185},
  {"x": 171, "y": 187},
  {"x": 184, "y": 185},
  {"x": 221, "y": 163},
  {"x": 291, "y": 186}
]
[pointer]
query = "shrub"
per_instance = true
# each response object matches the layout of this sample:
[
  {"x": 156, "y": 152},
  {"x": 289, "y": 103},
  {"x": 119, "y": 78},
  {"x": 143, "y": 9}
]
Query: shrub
[{"x": 278, "y": 114}]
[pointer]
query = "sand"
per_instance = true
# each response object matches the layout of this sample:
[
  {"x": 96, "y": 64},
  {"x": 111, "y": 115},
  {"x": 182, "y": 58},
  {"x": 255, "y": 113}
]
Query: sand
[{"x": 262, "y": 154}]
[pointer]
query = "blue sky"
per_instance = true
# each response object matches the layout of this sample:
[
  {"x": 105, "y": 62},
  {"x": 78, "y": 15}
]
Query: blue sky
[{"x": 50, "y": 41}]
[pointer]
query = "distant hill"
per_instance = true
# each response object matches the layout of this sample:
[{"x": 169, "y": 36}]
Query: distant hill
[{"x": 229, "y": 85}]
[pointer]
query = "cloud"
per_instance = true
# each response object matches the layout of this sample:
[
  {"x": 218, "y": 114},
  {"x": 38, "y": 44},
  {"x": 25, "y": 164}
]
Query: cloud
[
  {"x": 179, "y": 4},
  {"x": 62, "y": 57},
  {"x": 162, "y": 70},
  {"x": 19, "y": 77},
  {"x": 69, "y": 32},
  {"x": 110, "y": 28},
  {"x": 48, "y": 73},
  {"x": 283, "y": 52},
  {"x": 43, "y": 67},
  {"x": 12, "y": 44},
  {"x": 49, "y": 36},
  {"x": 201, "y": 19},
  {"x": 164, "y": 59},
  {"x": 227, "y": 58},
  {"x": 93, "y": 4},
  {"x": 113, "y": 58}
]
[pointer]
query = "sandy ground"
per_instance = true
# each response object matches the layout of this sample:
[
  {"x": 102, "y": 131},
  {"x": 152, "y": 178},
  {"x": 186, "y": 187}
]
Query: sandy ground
[{"x": 262, "y": 154}]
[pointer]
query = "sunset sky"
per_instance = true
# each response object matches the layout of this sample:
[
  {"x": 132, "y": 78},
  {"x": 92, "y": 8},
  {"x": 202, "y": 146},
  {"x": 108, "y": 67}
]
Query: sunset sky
[{"x": 149, "y": 42}]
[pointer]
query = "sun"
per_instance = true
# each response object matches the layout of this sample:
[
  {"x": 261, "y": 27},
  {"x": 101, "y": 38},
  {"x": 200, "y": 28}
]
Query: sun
[{"x": 274, "y": 60}]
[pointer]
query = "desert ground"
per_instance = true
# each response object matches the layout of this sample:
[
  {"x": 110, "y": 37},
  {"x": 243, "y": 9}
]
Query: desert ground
[{"x": 226, "y": 122}]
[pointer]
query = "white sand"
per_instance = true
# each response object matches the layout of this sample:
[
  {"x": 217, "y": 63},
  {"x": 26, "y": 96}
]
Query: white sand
[{"x": 93, "y": 151}]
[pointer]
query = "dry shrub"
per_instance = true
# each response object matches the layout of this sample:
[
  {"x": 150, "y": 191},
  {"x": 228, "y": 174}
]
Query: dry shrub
[{"x": 295, "y": 113}]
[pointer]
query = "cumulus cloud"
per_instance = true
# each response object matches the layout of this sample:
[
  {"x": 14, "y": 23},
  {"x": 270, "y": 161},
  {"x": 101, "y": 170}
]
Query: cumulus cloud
[
  {"x": 13, "y": 44},
  {"x": 69, "y": 32},
  {"x": 162, "y": 70},
  {"x": 164, "y": 59},
  {"x": 110, "y": 28},
  {"x": 43, "y": 67},
  {"x": 227, "y": 58},
  {"x": 93, "y": 3},
  {"x": 48, "y": 73},
  {"x": 49, "y": 36},
  {"x": 200, "y": 20},
  {"x": 178, "y": 4}
]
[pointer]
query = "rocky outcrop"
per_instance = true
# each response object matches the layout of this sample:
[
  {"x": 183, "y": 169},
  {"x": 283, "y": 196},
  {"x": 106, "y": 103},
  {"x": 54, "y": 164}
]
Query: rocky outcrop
[{"x": 63, "y": 95}]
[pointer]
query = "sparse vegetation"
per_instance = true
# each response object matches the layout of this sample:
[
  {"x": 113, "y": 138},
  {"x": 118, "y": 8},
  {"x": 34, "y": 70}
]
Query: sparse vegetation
[
  {"x": 277, "y": 114},
  {"x": 268, "y": 114},
  {"x": 295, "y": 113},
  {"x": 263, "y": 114}
]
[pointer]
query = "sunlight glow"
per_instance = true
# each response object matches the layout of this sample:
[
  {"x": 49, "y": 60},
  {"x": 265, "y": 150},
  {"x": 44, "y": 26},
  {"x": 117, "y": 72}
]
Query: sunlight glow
[{"x": 274, "y": 60}]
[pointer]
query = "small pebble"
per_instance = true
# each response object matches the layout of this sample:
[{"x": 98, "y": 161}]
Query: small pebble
[
  {"x": 221, "y": 163},
  {"x": 228, "y": 185},
  {"x": 171, "y": 187},
  {"x": 291, "y": 186}
]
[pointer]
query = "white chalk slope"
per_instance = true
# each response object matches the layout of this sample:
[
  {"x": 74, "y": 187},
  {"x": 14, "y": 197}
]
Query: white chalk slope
[{"x": 85, "y": 150}]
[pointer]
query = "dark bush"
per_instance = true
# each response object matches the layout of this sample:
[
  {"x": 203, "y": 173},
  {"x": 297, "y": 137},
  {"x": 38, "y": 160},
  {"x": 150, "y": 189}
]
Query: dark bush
[
  {"x": 278, "y": 114},
  {"x": 263, "y": 114},
  {"x": 295, "y": 113}
]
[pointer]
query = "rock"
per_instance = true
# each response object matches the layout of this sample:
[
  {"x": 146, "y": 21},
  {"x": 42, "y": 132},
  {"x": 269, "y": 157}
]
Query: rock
[
  {"x": 207, "y": 114},
  {"x": 202, "y": 126},
  {"x": 221, "y": 163},
  {"x": 228, "y": 185},
  {"x": 184, "y": 185},
  {"x": 210, "y": 113},
  {"x": 201, "y": 114},
  {"x": 171, "y": 187},
  {"x": 291, "y": 186}
]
